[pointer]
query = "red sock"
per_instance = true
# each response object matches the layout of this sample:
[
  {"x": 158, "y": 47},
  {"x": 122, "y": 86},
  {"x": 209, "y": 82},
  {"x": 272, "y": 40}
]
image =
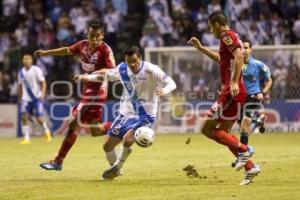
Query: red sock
[
  {"x": 107, "y": 126},
  {"x": 249, "y": 163},
  {"x": 65, "y": 147},
  {"x": 226, "y": 139}
]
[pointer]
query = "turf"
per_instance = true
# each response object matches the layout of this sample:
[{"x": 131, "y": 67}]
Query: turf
[{"x": 153, "y": 173}]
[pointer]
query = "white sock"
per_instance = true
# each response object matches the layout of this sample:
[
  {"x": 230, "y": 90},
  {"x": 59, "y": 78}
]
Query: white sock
[
  {"x": 45, "y": 126},
  {"x": 111, "y": 157},
  {"x": 124, "y": 153},
  {"x": 25, "y": 131}
]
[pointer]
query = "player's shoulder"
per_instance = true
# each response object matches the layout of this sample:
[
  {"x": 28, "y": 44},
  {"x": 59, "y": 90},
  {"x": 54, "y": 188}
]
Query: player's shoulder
[
  {"x": 257, "y": 62},
  {"x": 106, "y": 47},
  {"x": 150, "y": 67},
  {"x": 228, "y": 36}
]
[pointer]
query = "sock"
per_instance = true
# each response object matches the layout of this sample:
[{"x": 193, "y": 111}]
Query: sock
[
  {"x": 45, "y": 126},
  {"x": 65, "y": 147},
  {"x": 249, "y": 163},
  {"x": 106, "y": 126},
  {"x": 25, "y": 131},
  {"x": 111, "y": 157},
  {"x": 124, "y": 153},
  {"x": 226, "y": 139},
  {"x": 244, "y": 138}
]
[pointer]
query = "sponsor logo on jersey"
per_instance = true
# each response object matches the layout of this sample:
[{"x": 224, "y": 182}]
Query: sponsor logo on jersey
[{"x": 88, "y": 67}]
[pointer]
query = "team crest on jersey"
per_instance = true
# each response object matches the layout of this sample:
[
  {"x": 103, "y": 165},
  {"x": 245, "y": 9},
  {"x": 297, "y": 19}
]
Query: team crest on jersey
[{"x": 227, "y": 40}]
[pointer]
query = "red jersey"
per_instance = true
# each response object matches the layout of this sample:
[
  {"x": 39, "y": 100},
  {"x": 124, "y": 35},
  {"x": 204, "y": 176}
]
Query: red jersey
[
  {"x": 229, "y": 42},
  {"x": 100, "y": 57}
]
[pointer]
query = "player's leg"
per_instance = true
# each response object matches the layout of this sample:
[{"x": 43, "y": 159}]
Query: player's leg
[
  {"x": 39, "y": 112},
  {"x": 47, "y": 133},
  {"x": 25, "y": 129},
  {"x": 217, "y": 131},
  {"x": 125, "y": 149},
  {"x": 25, "y": 111},
  {"x": 65, "y": 147},
  {"x": 109, "y": 149}
]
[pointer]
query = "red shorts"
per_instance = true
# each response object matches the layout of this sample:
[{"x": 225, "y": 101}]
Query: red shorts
[
  {"x": 90, "y": 107},
  {"x": 227, "y": 107}
]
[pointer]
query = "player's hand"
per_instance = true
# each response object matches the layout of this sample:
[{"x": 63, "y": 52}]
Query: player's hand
[
  {"x": 160, "y": 93},
  {"x": 195, "y": 42},
  {"x": 79, "y": 77},
  {"x": 234, "y": 89},
  {"x": 39, "y": 53},
  {"x": 260, "y": 96}
]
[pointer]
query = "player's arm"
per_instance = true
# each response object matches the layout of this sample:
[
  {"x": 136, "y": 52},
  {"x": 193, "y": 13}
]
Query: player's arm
[
  {"x": 268, "y": 85},
  {"x": 99, "y": 76},
  {"x": 197, "y": 44},
  {"x": 44, "y": 89},
  {"x": 20, "y": 89},
  {"x": 62, "y": 51},
  {"x": 236, "y": 71},
  {"x": 162, "y": 79},
  {"x": 20, "y": 92}
]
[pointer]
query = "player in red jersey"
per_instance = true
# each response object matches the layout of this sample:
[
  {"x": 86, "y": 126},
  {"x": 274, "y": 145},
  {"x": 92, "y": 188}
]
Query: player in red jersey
[
  {"x": 95, "y": 55},
  {"x": 225, "y": 111}
]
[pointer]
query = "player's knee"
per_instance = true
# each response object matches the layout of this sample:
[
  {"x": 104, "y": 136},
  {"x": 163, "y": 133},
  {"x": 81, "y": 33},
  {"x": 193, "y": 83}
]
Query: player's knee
[
  {"x": 206, "y": 131},
  {"x": 107, "y": 147},
  {"x": 128, "y": 140},
  {"x": 24, "y": 119},
  {"x": 40, "y": 121}
]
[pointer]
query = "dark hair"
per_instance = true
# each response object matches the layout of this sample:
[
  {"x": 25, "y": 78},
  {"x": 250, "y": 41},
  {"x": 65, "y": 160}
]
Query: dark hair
[
  {"x": 218, "y": 17},
  {"x": 248, "y": 41},
  {"x": 95, "y": 24},
  {"x": 129, "y": 51}
]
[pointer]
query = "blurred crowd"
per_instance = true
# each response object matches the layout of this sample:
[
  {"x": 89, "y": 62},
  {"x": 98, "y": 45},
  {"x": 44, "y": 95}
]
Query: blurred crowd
[{"x": 26, "y": 25}]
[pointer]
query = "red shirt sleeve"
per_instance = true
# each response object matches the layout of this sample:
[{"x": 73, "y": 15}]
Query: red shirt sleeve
[
  {"x": 75, "y": 48},
  {"x": 109, "y": 59},
  {"x": 231, "y": 41}
]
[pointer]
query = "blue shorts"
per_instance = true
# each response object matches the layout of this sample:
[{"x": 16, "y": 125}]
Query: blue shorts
[
  {"x": 34, "y": 108},
  {"x": 123, "y": 124}
]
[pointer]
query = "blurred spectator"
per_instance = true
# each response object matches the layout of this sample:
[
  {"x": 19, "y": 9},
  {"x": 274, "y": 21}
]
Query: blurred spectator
[
  {"x": 213, "y": 6},
  {"x": 235, "y": 8},
  {"x": 157, "y": 7},
  {"x": 165, "y": 27},
  {"x": 112, "y": 22},
  {"x": 9, "y": 7},
  {"x": 208, "y": 39},
  {"x": 280, "y": 77},
  {"x": 21, "y": 33},
  {"x": 201, "y": 19},
  {"x": 151, "y": 40}
]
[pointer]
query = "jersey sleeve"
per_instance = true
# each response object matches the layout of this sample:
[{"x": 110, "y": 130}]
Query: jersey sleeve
[
  {"x": 109, "y": 59},
  {"x": 40, "y": 74},
  {"x": 19, "y": 77},
  {"x": 231, "y": 41},
  {"x": 163, "y": 79},
  {"x": 75, "y": 48},
  {"x": 264, "y": 71},
  {"x": 113, "y": 74}
]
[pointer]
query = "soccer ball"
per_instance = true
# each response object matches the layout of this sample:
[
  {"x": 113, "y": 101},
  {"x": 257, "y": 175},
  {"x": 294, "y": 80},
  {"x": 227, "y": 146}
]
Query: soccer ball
[{"x": 144, "y": 136}]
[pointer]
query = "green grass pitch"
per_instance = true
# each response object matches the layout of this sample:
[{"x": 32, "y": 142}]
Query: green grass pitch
[{"x": 153, "y": 173}]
